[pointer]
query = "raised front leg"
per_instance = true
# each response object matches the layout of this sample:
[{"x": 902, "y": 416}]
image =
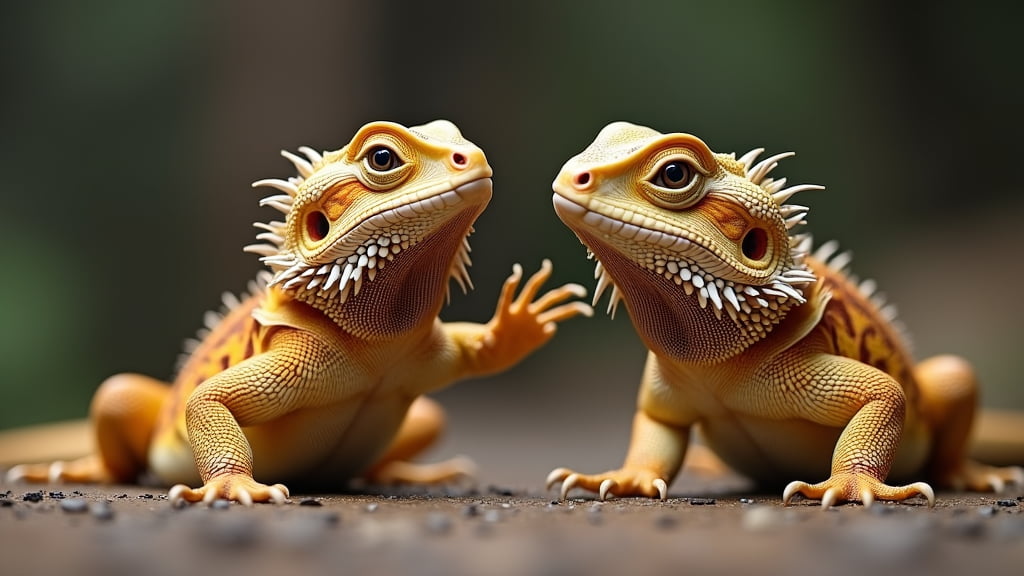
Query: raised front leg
[
  {"x": 123, "y": 415},
  {"x": 520, "y": 325},
  {"x": 867, "y": 403}
]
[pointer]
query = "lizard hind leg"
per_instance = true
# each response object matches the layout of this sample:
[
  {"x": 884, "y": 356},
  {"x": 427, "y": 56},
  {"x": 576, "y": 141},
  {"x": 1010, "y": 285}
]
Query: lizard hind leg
[
  {"x": 421, "y": 427},
  {"x": 123, "y": 413},
  {"x": 949, "y": 400}
]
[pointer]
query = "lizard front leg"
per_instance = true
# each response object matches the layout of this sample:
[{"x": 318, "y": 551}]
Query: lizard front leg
[
  {"x": 656, "y": 452},
  {"x": 657, "y": 446},
  {"x": 867, "y": 403},
  {"x": 293, "y": 373},
  {"x": 519, "y": 326}
]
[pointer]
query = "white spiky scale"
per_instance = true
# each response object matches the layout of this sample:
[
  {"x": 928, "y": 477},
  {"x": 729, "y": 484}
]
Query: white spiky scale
[
  {"x": 377, "y": 240},
  {"x": 673, "y": 251}
]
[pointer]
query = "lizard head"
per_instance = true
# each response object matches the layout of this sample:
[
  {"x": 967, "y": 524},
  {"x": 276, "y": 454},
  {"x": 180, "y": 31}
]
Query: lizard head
[
  {"x": 697, "y": 244},
  {"x": 373, "y": 232}
]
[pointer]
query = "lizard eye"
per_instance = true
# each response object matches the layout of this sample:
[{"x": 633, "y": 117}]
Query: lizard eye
[
  {"x": 674, "y": 175},
  {"x": 675, "y": 184},
  {"x": 382, "y": 159}
]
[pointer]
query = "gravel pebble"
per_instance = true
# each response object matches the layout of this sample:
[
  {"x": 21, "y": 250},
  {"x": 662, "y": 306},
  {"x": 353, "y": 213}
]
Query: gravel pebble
[
  {"x": 310, "y": 502},
  {"x": 74, "y": 505},
  {"x": 101, "y": 510},
  {"x": 665, "y": 522},
  {"x": 988, "y": 511},
  {"x": 229, "y": 530},
  {"x": 372, "y": 507},
  {"x": 33, "y": 496},
  {"x": 220, "y": 504},
  {"x": 761, "y": 518},
  {"x": 438, "y": 523},
  {"x": 965, "y": 527},
  {"x": 702, "y": 501},
  {"x": 1006, "y": 503}
]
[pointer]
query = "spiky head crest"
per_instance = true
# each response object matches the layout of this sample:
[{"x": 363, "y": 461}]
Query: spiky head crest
[
  {"x": 713, "y": 232},
  {"x": 350, "y": 213}
]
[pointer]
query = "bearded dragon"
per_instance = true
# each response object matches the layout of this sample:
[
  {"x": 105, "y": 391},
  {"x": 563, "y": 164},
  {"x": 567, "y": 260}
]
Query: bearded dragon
[
  {"x": 781, "y": 359},
  {"x": 319, "y": 374}
]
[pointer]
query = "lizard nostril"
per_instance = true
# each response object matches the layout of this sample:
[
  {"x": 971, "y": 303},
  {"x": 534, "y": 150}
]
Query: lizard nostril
[
  {"x": 459, "y": 159},
  {"x": 582, "y": 180}
]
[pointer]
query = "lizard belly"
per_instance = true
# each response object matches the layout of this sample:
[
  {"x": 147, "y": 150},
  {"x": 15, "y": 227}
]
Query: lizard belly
[
  {"x": 321, "y": 448},
  {"x": 772, "y": 452},
  {"x": 327, "y": 446}
]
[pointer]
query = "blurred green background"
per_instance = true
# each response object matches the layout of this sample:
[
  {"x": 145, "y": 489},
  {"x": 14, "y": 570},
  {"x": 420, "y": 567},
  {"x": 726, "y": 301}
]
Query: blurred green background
[{"x": 131, "y": 131}]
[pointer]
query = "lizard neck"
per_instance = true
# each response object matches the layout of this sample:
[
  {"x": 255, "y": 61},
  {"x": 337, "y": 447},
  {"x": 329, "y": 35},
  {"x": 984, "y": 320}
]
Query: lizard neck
[
  {"x": 406, "y": 294},
  {"x": 673, "y": 324}
]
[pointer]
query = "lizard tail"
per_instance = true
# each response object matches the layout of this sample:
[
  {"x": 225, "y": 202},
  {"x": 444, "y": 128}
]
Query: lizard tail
[
  {"x": 45, "y": 443},
  {"x": 999, "y": 438}
]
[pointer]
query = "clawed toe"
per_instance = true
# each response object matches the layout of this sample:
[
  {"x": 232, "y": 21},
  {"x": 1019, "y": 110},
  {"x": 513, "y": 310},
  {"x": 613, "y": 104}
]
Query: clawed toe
[
  {"x": 624, "y": 482},
  {"x": 855, "y": 487}
]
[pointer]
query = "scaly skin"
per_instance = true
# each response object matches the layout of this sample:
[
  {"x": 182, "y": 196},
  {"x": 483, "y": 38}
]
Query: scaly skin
[
  {"x": 318, "y": 376},
  {"x": 784, "y": 362}
]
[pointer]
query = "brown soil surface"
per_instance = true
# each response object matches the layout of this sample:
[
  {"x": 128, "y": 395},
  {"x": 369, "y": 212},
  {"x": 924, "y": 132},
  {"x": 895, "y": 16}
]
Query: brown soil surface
[{"x": 492, "y": 530}]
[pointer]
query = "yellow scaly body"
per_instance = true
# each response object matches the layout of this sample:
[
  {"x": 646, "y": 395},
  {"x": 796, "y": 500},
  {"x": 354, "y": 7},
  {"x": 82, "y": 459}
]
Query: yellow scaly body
[
  {"x": 789, "y": 368},
  {"x": 318, "y": 376}
]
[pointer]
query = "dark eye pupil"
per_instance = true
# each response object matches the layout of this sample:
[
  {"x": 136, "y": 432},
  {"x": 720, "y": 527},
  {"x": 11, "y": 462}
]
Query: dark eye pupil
[
  {"x": 674, "y": 173},
  {"x": 382, "y": 158}
]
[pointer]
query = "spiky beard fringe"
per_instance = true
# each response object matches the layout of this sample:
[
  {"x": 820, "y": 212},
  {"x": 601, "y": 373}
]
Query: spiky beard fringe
[{"x": 344, "y": 277}]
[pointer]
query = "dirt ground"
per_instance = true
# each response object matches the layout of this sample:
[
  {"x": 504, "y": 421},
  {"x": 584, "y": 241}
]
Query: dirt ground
[
  {"x": 494, "y": 530},
  {"x": 507, "y": 523}
]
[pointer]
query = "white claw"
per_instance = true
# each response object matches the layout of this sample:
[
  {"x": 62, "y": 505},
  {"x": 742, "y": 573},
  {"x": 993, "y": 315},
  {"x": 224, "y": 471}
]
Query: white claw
[
  {"x": 556, "y": 476},
  {"x": 174, "y": 494},
  {"x": 15, "y": 474},
  {"x": 662, "y": 487},
  {"x": 244, "y": 497},
  {"x": 209, "y": 497},
  {"x": 568, "y": 484},
  {"x": 792, "y": 489},
  {"x": 56, "y": 472},
  {"x": 828, "y": 499},
  {"x": 926, "y": 490},
  {"x": 867, "y": 498},
  {"x": 606, "y": 487},
  {"x": 277, "y": 495},
  {"x": 996, "y": 483}
]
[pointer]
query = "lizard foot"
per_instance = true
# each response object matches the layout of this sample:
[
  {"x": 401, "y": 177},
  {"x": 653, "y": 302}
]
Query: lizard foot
[
  {"x": 402, "y": 472},
  {"x": 622, "y": 482},
  {"x": 86, "y": 470},
  {"x": 235, "y": 487},
  {"x": 854, "y": 486},
  {"x": 978, "y": 477},
  {"x": 522, "y": 324}
]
